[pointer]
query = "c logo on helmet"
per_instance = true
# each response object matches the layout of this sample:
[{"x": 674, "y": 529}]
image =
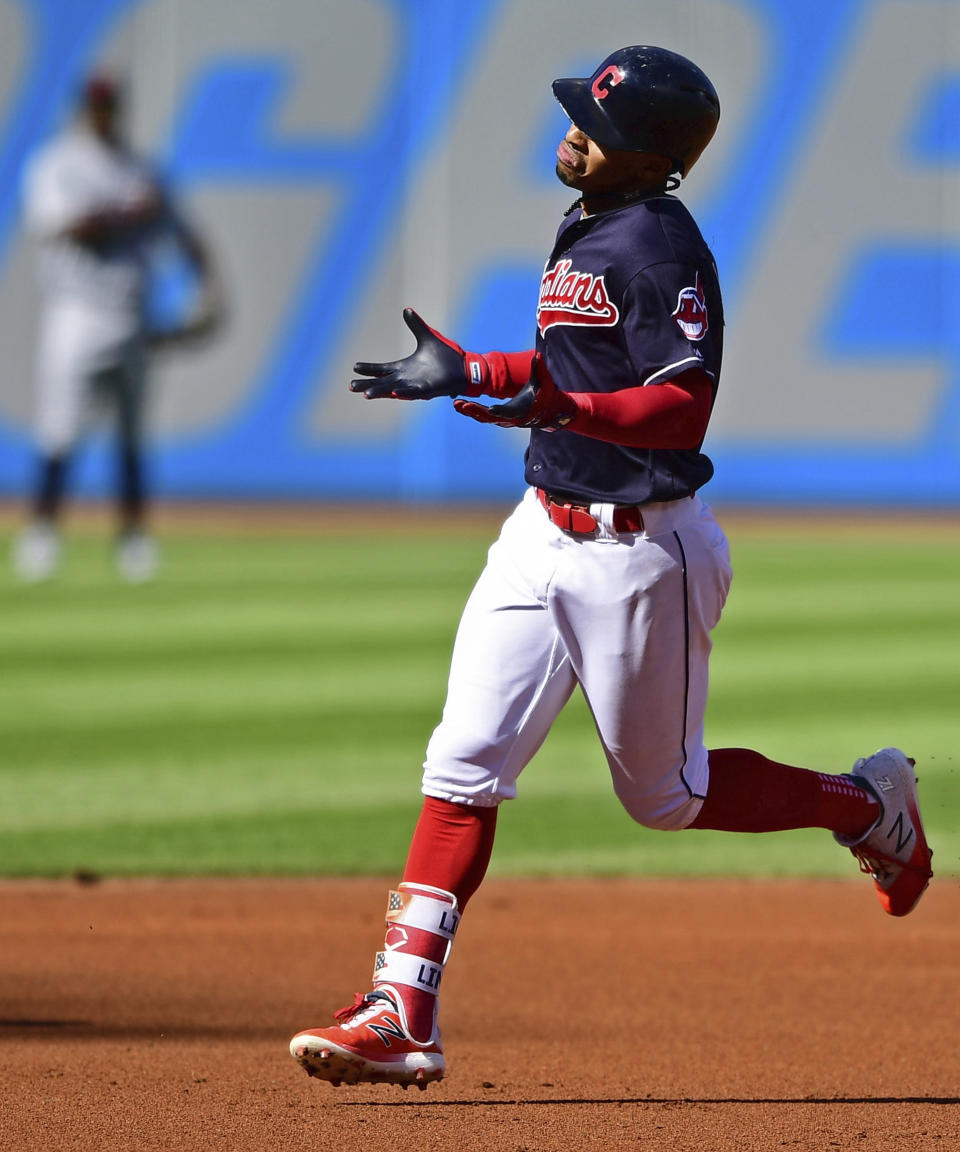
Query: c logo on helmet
[{"x": 609, "y": 78}]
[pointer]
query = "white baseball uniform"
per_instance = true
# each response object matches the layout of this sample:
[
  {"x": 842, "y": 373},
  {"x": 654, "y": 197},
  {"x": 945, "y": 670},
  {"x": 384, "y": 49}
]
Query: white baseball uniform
[{"x": 91, "y": 324}]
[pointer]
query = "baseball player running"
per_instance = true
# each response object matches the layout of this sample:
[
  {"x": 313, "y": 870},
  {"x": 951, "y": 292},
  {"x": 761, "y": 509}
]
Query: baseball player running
[
  {"x": 609, "y": 575},
  {"x": 97, "y": 210}
]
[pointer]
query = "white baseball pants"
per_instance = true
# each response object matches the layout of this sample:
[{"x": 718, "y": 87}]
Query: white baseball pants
[
  {"x": 85, "y": 358},
  {"x": 627, "y": 617}
]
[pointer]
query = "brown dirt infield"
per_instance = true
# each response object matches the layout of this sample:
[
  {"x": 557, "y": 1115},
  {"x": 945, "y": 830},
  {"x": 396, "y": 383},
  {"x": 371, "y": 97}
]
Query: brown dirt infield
[{"x": 628, "y": 1014}]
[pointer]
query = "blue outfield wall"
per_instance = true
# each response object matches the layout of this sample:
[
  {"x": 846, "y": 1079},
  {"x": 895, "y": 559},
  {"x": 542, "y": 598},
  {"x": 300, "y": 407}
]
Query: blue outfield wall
[{"x": 404, "y": 149}]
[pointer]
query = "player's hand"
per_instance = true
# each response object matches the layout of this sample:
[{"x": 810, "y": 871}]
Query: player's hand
[
  {"x": 438, "y": 367},
  {"x": 146, "y": 209},
  {"x": 210, "y": 314},
  {"x": 205, "y": 321},
  {"x": 539, "y": 404}
]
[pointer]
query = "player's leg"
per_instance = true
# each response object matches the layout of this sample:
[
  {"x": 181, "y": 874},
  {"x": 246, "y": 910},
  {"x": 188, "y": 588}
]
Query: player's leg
[
  {"x": 510, "y": 673},
  {"x": 749, "y": 793},
  {"x": 636, "y": 615},
  {"x": 391, "y": 1034},
  {"x": 51, "y": 486},
  {"x": 654, "y": 737},
  {"x": 873, "y": 810},
  {"x": 61, "y": 405},
  {"x": 38, "y": 546},
  {"x": 447, "y": 861},
  {"x": 509, "y": 679},
  {"x": 136, "y": 552},
  {"x": 373, "y": 1040}
]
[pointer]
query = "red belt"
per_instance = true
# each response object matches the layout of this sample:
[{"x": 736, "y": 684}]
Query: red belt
[{"x": 578, "y": 518}]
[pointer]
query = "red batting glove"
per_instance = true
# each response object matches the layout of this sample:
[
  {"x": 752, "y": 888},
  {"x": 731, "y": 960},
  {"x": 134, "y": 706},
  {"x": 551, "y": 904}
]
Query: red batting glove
[{"x": 539, "y": 404}]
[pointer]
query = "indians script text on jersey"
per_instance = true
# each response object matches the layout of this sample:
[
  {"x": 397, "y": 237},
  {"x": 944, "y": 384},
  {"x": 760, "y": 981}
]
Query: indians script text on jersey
[{"x": 628, "y": 298}]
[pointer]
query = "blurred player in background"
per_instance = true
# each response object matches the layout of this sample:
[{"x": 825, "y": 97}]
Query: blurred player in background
[{"x": 100, "y": 214}]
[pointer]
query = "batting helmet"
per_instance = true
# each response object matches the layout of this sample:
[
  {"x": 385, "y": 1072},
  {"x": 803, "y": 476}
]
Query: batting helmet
[{"x": 645, "y": 99}]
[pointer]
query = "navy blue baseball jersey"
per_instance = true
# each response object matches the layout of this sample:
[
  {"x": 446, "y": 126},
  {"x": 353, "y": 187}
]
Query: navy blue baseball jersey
[{"x": 629, "y": 298}]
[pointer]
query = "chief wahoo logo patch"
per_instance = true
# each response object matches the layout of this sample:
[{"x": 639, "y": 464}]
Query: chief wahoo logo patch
[{"x": 691, "y": 311}]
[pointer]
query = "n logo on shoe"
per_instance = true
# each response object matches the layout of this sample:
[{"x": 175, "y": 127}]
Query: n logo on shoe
[
  {"x": 385, "y": 1031},
  {"x": 897, "y": 827}
]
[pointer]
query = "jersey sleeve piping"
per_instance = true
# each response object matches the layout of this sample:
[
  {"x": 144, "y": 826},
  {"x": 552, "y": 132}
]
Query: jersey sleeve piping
[{"x": 671, "y": 369}]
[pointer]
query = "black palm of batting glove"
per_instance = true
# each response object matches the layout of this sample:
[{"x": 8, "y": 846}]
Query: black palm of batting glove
[
  {"x": 539, "y": 404},
  {"x": 438, "y": 367}
]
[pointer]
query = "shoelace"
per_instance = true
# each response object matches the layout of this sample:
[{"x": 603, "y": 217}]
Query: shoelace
[
  {"x": 362, "y": 1006},
  {"x": 881, "y": 866},
  {"x": 874, "y": 865}
]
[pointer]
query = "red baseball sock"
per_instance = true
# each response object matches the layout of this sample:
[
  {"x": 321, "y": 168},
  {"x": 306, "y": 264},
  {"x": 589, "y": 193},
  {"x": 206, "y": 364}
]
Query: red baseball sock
[
  {"x": 449, "y": 854},
  {"x": 451, "y": 847},
  {"x": 749, "y": 793}
]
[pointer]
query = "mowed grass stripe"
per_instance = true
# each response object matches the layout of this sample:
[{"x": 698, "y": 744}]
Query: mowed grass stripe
[
  {"x": 264, "y": 707},
  {"x": 168, "y": 737},
  {"x": 61, "y": 625},
  {"x": 274, "y": 686}
]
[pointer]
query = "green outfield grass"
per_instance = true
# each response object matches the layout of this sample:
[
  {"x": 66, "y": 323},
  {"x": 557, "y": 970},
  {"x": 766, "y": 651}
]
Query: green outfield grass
[{"x": 264, "y": 706}]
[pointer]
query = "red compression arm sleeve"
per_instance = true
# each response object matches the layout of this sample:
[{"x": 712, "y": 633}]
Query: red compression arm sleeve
[{"x": 669, "y": 415}]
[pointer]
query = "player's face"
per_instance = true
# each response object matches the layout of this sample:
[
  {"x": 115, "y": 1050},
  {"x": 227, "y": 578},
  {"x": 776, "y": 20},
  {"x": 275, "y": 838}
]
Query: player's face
[
  {"x": 104, "y": 118},
  {"x": 585, "y": 165}
]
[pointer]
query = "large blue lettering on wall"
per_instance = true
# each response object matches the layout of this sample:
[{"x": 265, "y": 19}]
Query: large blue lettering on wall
[{"x": 895, "y": 299}]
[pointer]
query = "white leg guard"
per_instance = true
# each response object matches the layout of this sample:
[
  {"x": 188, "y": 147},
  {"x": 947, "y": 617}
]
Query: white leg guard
[{"x": 421, "y": 923}]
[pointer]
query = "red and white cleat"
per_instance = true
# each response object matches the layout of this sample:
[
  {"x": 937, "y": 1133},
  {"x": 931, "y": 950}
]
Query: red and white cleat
[
  {"x": 895, "y": 851},
  {"x": 370, "y": 1044}
]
